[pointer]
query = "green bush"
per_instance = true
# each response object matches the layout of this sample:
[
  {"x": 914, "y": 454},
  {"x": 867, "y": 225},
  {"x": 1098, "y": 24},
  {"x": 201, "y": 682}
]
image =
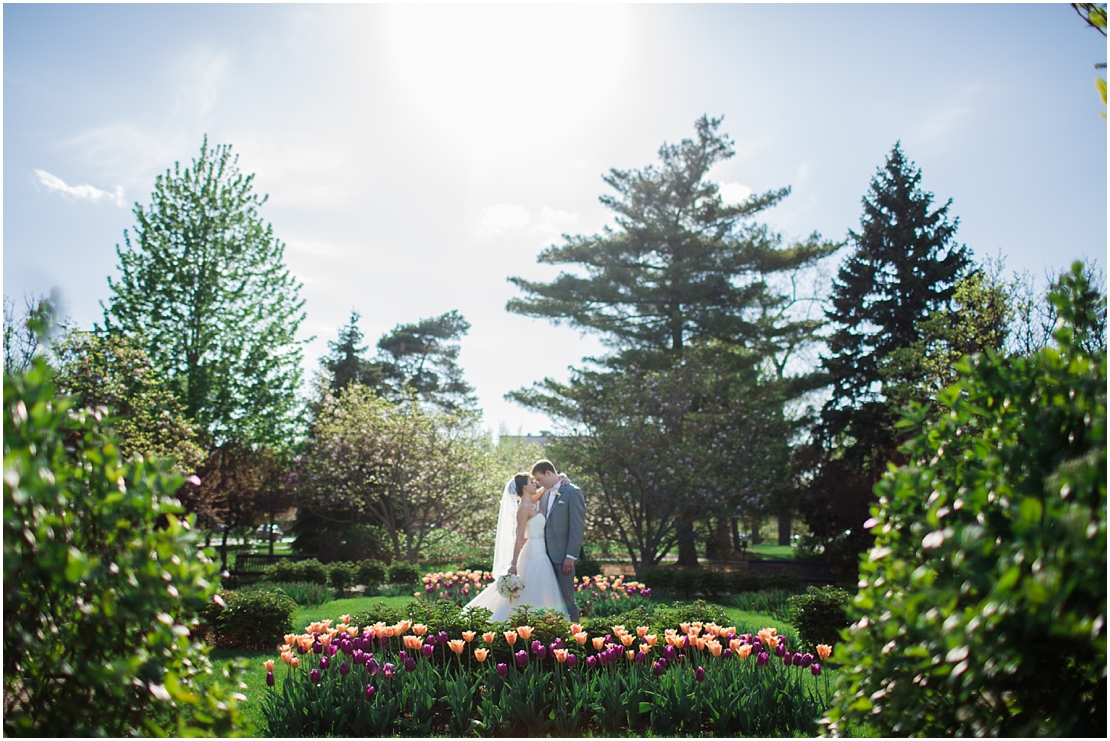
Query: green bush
[
  {"x": 311, "y": 570},
  {"x": 477, "y": 564},
  {"x": 378, "y": 612},
  {"x": 819, "y": 616},
  {"x": 284, "y": 571},
  {"x": 371, "y": 573},
  {"x": 982, "y": 609},
  {"x": 587, "y": 566},
  {"x": 254, "y": 618},
  {"x": 404, "y": 573},
  {"x": 103, "y": 582},
  {"x": 341, "y": 575},
  {"x": 306, "y": 594},
  {"x": 774, "y": 602}
]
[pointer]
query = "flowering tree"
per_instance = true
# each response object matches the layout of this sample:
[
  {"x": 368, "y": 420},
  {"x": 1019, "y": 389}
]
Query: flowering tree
[{"x": 417, "y": 474}]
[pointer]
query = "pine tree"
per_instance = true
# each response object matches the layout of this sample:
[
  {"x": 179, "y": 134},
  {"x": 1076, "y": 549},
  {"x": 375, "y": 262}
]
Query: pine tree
[
  {"x": 345, "y": 362},
  {"x": 423, "y": 357}
]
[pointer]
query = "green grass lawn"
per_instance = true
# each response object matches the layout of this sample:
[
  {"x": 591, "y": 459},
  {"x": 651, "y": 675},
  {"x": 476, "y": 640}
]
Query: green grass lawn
[{"x": 773, "y": 551}]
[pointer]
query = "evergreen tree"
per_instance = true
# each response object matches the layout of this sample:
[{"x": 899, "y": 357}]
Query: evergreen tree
[
  {"x": 423, "y": 357},
  {"x": 204, "y": 290},
  {"x": 345, "y": 362}
]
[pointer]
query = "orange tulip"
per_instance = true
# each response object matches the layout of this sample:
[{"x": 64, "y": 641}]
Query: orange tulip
[
  {"x": 389, "y": 631},
  {"x": 290, "y": 639},
  {"x": 630, "y": 655},
  {"x": 695, "y": 629},
  {"x": 684, "y": 627},
  {"x": 772, "y": 642},
  {"x": 734, "y": 644},
  {"x": 325, "y": 639},
  {"x": 345, "y": 619},
  {"x": 744, "y": 651},
  {"x": 481, "y": 654},
  {"x": 575, "y": 628},
  {"x": 581, "y": 638},
  {"x": 404, "y": 626},
  {"x": 295, "y": 661},
  {"x": 700, "y": 643},
  {"x": 269, "y": 664},
  {"x": 715, "y": 648},
  {"x": 352, "y": 630},
  {"x": 617, "y": 629},
  {"x": 326, "y": 623},
  {"x": 488, "y": 637},
  {"x": 642, "y": 631},
  {"x": 644, "y": 648},
  {"x": 286, "y": 657},
  {"x": 510, "y": 637},
  {"x": 457, "y": 646},
  {"x": 824, "y": 651},
  {"x": 561, "y": 655},
  {"x": 419, "y": 629},
  {"x": 525, "y": 632},
  {"x": 651, "y": 638},
  {"x": 627, "y": 639},
  {"x": 468, "y": 635},
  {"x": 599, "y": 642}
]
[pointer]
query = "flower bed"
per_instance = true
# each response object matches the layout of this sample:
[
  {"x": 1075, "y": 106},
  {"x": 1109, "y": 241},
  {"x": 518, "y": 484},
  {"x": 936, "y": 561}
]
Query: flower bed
[{"x": 410, "y": 680}]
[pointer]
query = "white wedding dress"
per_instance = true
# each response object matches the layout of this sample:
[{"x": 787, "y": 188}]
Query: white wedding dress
[{"x": 541, "y": 589}]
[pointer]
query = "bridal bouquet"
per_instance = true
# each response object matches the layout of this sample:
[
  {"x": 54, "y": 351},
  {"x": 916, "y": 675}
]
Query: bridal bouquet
[{"x": 510, "y": 586}]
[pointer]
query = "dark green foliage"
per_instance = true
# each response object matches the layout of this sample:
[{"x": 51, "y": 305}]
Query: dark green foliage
[
  {"x": 371, "y": 573},
  {"x": 982, "y": 605},
  {"x": 341, "y": 575},
  {"x": 404, "y": 573},
  {"x": 306, "y": 594},
  {"x": 586, "y": 566},
  {"x": 447, "y": 616},
  {"x": 332, "y": 536},
  {"x": 379, "y": 612},
  {"x": 714, "y": 584},
  {"x": 282, "y": 571},
  {"x": 819, "y": 615},
  {"x": 775, "y": 603},
  {"x": 547, "y": 625},
  {"x": 102, "y": 583},
  {"x": 205, "y": 291},
  {"x": 345, "y": 363},
  {"x": 254, "y": 618},
  {"x": 600, "y": 604},
  {"x": 422, "y": 357},
  {"x": 477, "y": 564},
  {"x": 311, "y": 570}
]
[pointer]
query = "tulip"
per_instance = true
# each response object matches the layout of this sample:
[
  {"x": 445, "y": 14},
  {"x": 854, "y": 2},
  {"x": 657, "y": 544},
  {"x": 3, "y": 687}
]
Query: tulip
[
  {"x": 430, "y": 641},
  {"x": 591, "y": 662},
  {"x": 560, "y": 655},
  {"x": 684, "y": 627},
  {"x": 641, "y": 630},
  {"x": 268, "y": 665},
  {"x": 344, "y": 668},
  {"x": 557, "y": 644},
  {"x": 427, "y": 651},
  {"x": 522, "y": 659},
  {"x": 410, "y": 664},
  {"x": 525, "y": 631},
  {"x": 286, "y": 657},
  {"x": 644, "y": 648},
  {"x": 788, "y": 659},
  {"x": 468, "y": 635},
  {"x": 345, "y": 619},
  {"x": 388, "y": 671},
  {"x": 651, "y": 639},
  {"x": 669, "y": 653},
  {"x": 744, "y": 651},
  {"x": 780, "y": 649},
  {"x": 488, "y": 637},
  {"x": 807, "y": 659},
  {"x": 269, "y": 679},
  {"x": 727, "y": 654},
  {"x": 294, "y": 662},
  {"x": 441, "y": 638},
  {"x": 572, "y": 661},
  {"x": 314, "y": 676},
  {"x": 536, "y": 645},
  {"x": 541, "y": 654},
  {"x": 372, "y": 666},
  {"x": 370, "y": 690},
  {"x": 824, "y": 651},
  {"x": 317, "y": 648},
  {"x": 324, "y": 663},
  {"x": 645, "y": 592},
  {"x": 630, "y": 655},
  {"x": 699, "y": 674},
  {"x": 575, "y": 628},
  {"x": 627, "y": 639},
  {"x": 714, "y": 648},
  {"x": 681, "y": 658},
  {"x": 581, "y": 638},
  {"x": 797, "y": 659},
  {"x": 640, "y": 657},
  {"x": 457, "y": 646},
  {"x": 659, "y": 667},
  {"x": 815, "y": 669},
  {"x": 481, "y": 654},
  {"x": 762, "y": 659},
  {"x": 510, "y": 637},
  {"x": 419, "y": 629}
]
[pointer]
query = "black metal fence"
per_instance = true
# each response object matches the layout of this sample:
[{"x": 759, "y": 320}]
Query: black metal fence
[{"x": 253, "y": 565}]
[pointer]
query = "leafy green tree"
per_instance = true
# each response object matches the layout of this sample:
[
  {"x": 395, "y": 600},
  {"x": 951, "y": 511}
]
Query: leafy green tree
[
  {"x": 982, "y": 605},
  {"x": 102, "y": 583},
  {"x": 115, "y": 373},
  {"x": 682, "y": 269},
  {"x": 423, "y": 357},
  {"x": 345, "y": 362},
  {"x": 21, "y": 342},
  {"x": 204, "y": 290}
]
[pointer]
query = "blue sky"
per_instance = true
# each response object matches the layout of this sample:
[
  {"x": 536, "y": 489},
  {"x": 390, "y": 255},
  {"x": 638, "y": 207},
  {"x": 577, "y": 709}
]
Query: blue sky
[{"x": 417, "y": 156}]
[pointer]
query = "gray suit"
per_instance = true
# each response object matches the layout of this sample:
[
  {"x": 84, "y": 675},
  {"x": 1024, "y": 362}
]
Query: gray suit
[{"x": 563, "y": 531}]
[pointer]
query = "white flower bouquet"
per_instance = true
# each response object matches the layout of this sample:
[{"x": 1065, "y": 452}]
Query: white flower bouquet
[{"x": 510, "y": 586}]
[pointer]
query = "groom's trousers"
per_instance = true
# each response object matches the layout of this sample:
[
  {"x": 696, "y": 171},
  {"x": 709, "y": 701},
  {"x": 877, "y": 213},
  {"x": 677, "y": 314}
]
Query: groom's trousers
[{"x": 566, "y": 587}]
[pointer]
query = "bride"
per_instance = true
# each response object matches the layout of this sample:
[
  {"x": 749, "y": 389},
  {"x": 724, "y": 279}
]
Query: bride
[{"x": 519, "y": 548}]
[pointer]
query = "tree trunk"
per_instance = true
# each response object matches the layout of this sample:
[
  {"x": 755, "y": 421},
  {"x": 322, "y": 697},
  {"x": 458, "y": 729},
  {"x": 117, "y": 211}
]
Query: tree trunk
[
  {"x": 784, "y": 529},
  {"x": 687, "y": 548},
  {"x": 755, "y": 523},
  {"x": 223, "y": 550},
  {"x": 270, "y": 535},
  {"x": 735, "y": 521}
]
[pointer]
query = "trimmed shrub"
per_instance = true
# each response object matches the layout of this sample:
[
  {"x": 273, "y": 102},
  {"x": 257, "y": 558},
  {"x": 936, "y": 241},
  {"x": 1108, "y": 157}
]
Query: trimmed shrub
[
  {"x": 819, "y": 616},
  {"x": 103, "y": 581},
  {"x": 253, "y": 618},
  {"x": 587, "y": 566},
  {"x": 404, "y": 573},
  {"x": 982, "y": 607},
  {"x": 311, "y": 570},
  {"x": 371, "y": 573},
  {"x": 379, "y": 612},
  {"x": 284, "y": 571},
  {"x": 477, "y": 564},
  {"x": 341, "y": 575}
]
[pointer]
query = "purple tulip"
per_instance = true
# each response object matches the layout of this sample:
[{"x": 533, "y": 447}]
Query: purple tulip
[
  {"x": 346, "y": 647},
  {"x": 797, "y": 659},
  {"x": 645, "y": 592},
  {"x": 681, "y": 658},
  {"x": 558, "y": 643},
  {"x": 762, "y": 659},
  {"x": 686, "y": 641},
  {"x": 699, "y": 674},
  {"x": 669, "y": 653},
  {"x": 269, "y": 679},
  {"x": 410, "y": 664},
  {"x": 640, "y": 657},
  {"x": 324, "y": 663},
  {"x": 780, "y": 650},
  {"x": 502, "y": 670},
  {"x": 333, "y": 650},
  {"x": 788, "y": 659},
  {"x": 522, "y": 659},
  {"x": 441, "y": 638},
  {"x": 659, "y": 667},
  {"x": 314, "y": 676},
  {"x": 359, "y": 658},
  {"x": 727, "y": 654},
  {"x": 541, "y": 654},
  {"x": 807, "y": 659},
  {"x": 572, "y": 661},
  {"x": 388, "y": 671},
  {"x": 372, "y": 666},
  {"x": 815, "y": 669},
  {"x": 591, "y": 662},
  {"x": 370, "y": 690},
  {"x": 317, "y": 648},
  {"x": 536, "y": 646},
  {"x": 300, "y": 649},
  {"x": 427, "y": 651},
  {"x": 430, "y": 640}
]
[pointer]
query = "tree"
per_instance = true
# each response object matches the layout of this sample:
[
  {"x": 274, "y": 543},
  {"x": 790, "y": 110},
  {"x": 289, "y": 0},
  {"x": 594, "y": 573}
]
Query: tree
[
  {"x": 21, "y": 342},
  {"x": 989, "y": 557},
  {"x": 114, "y": 373},
  {"x": 682, "y": 269},
  {"x": 418, "y": 474},
  {"x": 204, "y": 290},
  {"x": 345, "y": 363},
  {"x": 422, "y": 357}
]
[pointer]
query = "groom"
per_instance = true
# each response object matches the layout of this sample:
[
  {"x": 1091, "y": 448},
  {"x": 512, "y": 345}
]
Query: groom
[{"x": 565, "y": 510}]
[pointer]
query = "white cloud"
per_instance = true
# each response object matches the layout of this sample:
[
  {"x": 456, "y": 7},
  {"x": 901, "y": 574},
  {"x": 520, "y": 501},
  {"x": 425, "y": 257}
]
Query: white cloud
[
  {"x": 499, "y": 218},
  {"x": 81, "y": 192},
  {"x": 734, "y": 192},
  {"x": 551, "y": 216}
]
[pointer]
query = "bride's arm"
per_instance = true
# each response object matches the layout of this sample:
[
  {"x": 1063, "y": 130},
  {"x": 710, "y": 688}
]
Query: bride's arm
[{"x": 521, "y": 529}]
